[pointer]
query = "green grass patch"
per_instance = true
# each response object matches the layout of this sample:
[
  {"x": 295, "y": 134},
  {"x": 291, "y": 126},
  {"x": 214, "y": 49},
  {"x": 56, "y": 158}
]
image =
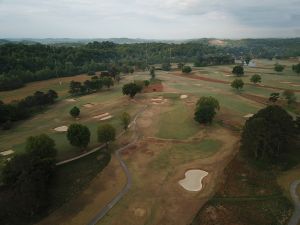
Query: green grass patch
[
  {"x": 181, "y": 153},
  {"x": 177, "y": 123}
]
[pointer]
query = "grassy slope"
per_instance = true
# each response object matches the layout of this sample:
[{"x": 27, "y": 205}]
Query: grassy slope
[{"x": 176, "y": 123}]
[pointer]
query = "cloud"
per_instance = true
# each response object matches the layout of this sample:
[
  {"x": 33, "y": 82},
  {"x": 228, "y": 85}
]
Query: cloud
[{"x": 172, "y": 19}]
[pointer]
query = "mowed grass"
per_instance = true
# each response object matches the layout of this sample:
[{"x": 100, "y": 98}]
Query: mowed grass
[
  {"x": 57, "y": 115},
  {"x": 180, "y": 153},
  {"x": 60, "y": 85},
  {"x": 264, "y": 68},
  {"x": 177, "y": 123}
]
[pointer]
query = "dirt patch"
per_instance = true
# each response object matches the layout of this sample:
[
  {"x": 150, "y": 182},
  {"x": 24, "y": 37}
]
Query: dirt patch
[
  {"x": 158, "y": 87},
  {"x": 217, "y": 42},
  {"x": 255, "y": 98},
  {"x": 139, "y": 212},
  {"x": 196, "y": 77},
  {"x": 88, "y": 105}
]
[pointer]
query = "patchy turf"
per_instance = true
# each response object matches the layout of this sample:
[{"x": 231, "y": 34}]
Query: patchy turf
[
  {"x": 247, "y": 196},
  {"x": 177, "y": 123}
]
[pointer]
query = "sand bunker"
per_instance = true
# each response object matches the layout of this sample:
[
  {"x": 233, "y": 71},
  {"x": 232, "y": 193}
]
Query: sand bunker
[
  {"x": 229, "y": 75},
  {"x": 71, "y": 100},
  {"x": 183, "y": 96},
  {"x": 248, "y": 115},
  {"x": 295, "y": 85},
  {"x": 193, "y": 180},
  {"x": 101, "y": 115},
  {"x": 61, "y": 129},
  {"x": 6, "y": 153},
  {"x": 88, "y": 105},
  {"x": 198, "y": 85},
  {"x": 159, "y": 100},
  {"x": 285, "y": 82},
  {"x": 106, "y": 118}
]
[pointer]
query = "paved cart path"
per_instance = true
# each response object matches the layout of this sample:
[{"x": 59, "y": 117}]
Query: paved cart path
[
  {"x": 296, "y": 215},
  {"x": 102, "y": 212}
]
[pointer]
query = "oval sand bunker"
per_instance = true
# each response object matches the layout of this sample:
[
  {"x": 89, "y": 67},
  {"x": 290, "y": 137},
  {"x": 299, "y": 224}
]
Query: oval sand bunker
[{"x": 193, "y": 180}]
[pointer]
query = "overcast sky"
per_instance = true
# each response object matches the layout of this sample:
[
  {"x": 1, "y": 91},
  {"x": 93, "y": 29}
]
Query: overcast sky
[{"x": 158, "y": 19}]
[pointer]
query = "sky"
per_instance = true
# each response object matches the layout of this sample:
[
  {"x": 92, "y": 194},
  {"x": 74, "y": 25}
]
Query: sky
[{"x": 151, "y": 19}]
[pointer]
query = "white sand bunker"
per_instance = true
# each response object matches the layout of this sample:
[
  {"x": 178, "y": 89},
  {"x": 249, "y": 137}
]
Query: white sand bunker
[
  {"x": 88, "y": 105},
  {"x": 285, "y": 82},
  {"x": 103, "y": 116},
  {"x": 193, "y": 180},
  {"x": 6, "y": 153},
  {"x": 106, "y": 118},
  {"x": 61, "y": 129},
  {"x": 71, "y": 100},
  {"x": 183, "y": 96},
  {"x": 158, "y": 100},
  {"x": 248, "y": 115},
  {"x": 295, "y": 85}
]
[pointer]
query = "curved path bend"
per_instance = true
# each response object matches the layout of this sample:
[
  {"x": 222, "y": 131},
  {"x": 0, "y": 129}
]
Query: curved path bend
[
  {"x": 126, "y": 188},
  {"x": 296, "y": 215}
]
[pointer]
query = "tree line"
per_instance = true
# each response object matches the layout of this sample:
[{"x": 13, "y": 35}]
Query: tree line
[
  {"x": 21, "y": 63},
  {"x": 24, "y": 108},
  {"x": 96, "y": 83}
]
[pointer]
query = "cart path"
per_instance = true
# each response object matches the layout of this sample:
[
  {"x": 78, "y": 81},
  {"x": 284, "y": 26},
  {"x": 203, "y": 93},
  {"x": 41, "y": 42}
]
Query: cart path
[
  {"x": 296, "y": 215},
  {"x": 102, "y": 212}
]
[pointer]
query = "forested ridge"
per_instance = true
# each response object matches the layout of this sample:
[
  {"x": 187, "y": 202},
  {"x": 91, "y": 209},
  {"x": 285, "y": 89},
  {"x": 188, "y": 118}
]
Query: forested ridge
[{"x": 22, "y": 63}]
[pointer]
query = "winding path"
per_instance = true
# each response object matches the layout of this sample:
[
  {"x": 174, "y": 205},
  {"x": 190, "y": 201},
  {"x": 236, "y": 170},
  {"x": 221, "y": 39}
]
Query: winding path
[
  {"x": 296, "y": 215},
  {"x": 102, "y": 212}
]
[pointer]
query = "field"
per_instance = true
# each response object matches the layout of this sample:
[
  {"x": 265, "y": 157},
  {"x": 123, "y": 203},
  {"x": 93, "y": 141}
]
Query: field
[{"x": 170, "y": 143}]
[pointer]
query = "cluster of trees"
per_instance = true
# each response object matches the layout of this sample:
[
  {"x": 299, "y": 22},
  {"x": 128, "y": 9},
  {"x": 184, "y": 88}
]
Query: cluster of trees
[
  {"x": 80, "y": 135},
  {"x": 206, "y": 109},
  {"x": 256, "y": 78},
  {"x": 89, "y": 86},
  {"x": 186, "y": 69},
  {"x": 22, "y": 109},
  {"x": 288, "y": 95},
  {"x": 269, "y": 135},
  {"x": 238, "y": 70},
  {"x": 26, "y": 179},
  {"x": 213, "y": 59},
  {"x": 131, "y": 89},
  {"x": 238, "y": 84},
  {"x": 296, "y": 68},
  {"x": 279, "y": 67}
]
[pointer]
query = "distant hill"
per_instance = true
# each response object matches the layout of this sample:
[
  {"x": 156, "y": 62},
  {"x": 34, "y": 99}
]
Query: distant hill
[{"x": 50, "y": 41}]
